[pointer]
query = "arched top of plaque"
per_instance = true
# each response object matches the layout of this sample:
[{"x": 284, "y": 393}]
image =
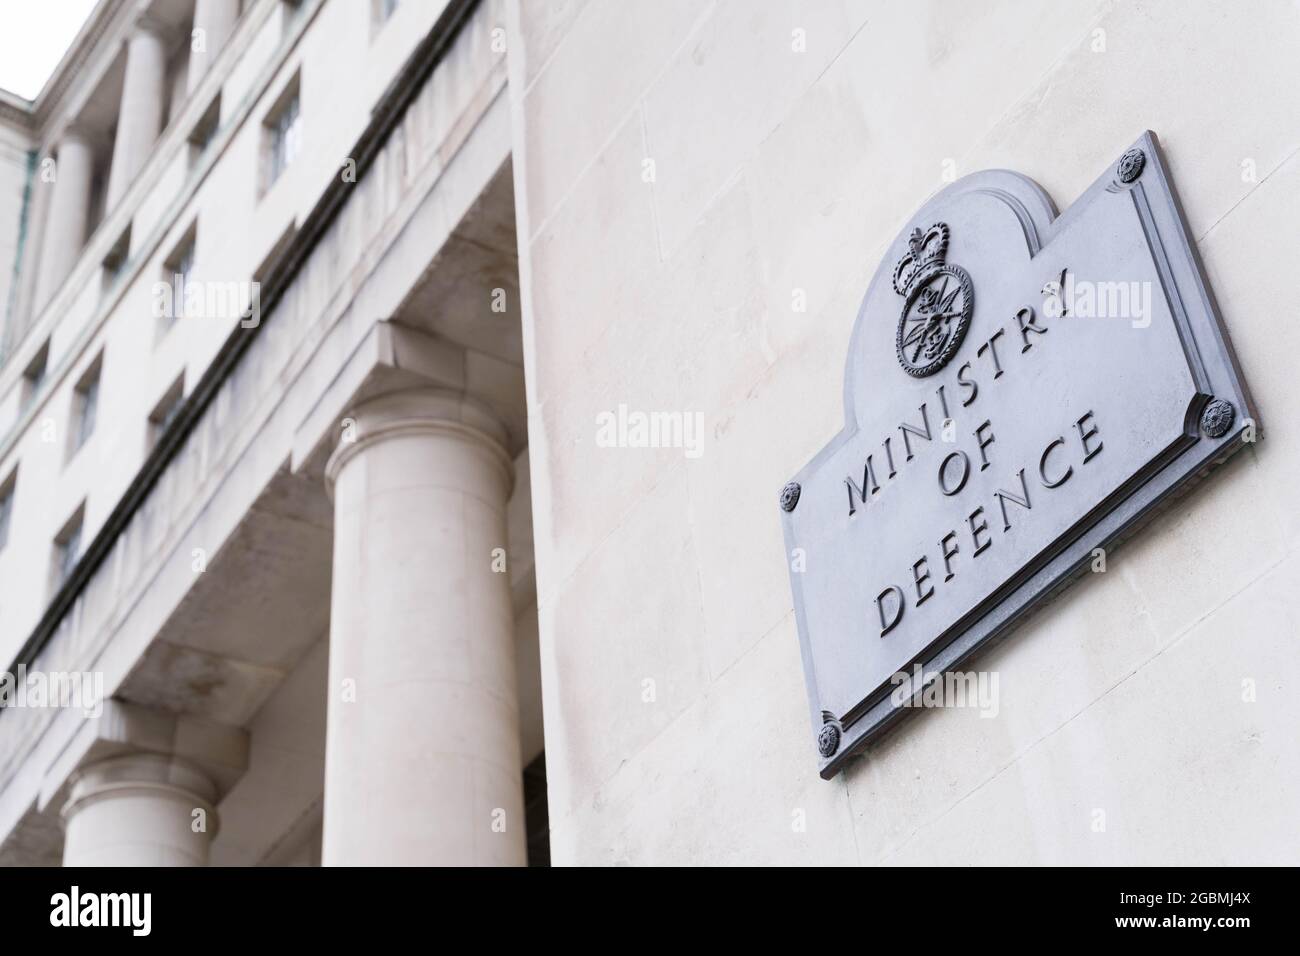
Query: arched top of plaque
[{"x": 922, "y": 299}]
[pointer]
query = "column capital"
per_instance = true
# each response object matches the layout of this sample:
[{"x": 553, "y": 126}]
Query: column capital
[
  {"x": 427, "y": 411},
  {"x": 79, "y": 131},
  {"x": 155, "y": 26},
  {"x": 217, "y": 753},
  {"x": 141, "y": 774},
  {"x": 139, "y": 809},
  {"x": 439, "y": 379}
]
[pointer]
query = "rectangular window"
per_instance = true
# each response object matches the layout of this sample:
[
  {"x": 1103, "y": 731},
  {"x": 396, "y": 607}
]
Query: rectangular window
[
  {"x": 282, "y": 134},
  {"x": 164, "y": 413},
  {"x": 34, "y": 374},
  {"x": 205, "y": 130},
  {"x": 176, "y": 275},
  {"x": 182, "y": 260},
  {"x": 85, "y": 406},
  {"x": 115, "y": 262},
  {"x": 67, "y": 549},
  {"x": 7, "y": 506}
]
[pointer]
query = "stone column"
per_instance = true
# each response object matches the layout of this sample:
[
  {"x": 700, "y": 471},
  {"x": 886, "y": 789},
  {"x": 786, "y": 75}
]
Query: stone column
[
  {"x": 422, "y": 760},
  {"x": 140, "y": 116},
  {"x": 216, "y": 18},
  {"x": 138, "y": 810},
  {"x": 69, "y": 209}
]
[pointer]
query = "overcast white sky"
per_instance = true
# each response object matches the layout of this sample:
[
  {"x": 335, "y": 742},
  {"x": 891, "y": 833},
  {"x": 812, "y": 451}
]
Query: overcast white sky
[{"x": 34, "y": 37}]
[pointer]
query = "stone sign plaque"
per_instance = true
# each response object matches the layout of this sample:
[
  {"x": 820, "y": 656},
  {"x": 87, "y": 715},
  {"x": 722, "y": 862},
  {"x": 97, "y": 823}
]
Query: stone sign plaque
[{"x": 1022, "y": 388}]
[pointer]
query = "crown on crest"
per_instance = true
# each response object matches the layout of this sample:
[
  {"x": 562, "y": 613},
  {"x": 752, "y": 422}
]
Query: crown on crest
[{"x": 925, "y": 253}]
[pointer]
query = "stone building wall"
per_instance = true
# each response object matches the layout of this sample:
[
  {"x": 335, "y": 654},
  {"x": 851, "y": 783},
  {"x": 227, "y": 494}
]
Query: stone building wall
[{"x": 703, "y": 191}]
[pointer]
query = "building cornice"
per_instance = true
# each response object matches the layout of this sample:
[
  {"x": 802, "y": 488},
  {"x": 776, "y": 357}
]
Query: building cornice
[
  {"x": 74, "y": 61},
  {"x": 43, "y": 320},
  {"x": 34, "y": 116},
  {"x": 16, "y": 111}
]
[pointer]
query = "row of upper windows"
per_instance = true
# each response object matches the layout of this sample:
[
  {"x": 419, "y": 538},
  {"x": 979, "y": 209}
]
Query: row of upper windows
[
  {"x": 84, "y": 412},
  {"x": 85, "y": 396},
  {"x": 282, "y": 142}
]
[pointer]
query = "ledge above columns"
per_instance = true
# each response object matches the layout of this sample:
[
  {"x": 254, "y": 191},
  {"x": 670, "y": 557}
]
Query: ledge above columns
[
  {"x": 217, "y": 752},
  {"x": 476, "y": 389}
]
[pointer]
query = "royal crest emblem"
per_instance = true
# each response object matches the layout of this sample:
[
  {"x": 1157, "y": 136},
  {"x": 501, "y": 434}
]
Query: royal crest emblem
[{"x": 938, "y": 302}]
